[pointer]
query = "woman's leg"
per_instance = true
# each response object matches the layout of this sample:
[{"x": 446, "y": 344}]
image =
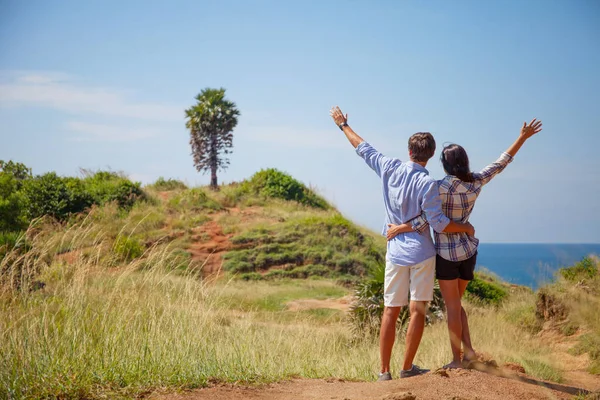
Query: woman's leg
[
  {"x": 450, "y": 292},
  {"x": 468, "y": 353}
]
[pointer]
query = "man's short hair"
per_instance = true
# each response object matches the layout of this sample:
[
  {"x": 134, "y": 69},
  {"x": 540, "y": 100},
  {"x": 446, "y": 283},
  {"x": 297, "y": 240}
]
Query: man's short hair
[{"x": 421, "y": 146}]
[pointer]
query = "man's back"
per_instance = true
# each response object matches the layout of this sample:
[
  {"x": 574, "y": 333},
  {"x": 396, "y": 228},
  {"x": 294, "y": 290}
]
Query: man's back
[{"x": 408, "y": 190}]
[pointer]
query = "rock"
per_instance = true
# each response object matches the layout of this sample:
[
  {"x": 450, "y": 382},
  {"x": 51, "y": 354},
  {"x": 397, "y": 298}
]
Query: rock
[
  {"x": 549, "y": 307},
  {"x": 514, "y": 367},
  {"x": 442, "y": 372},
  {"x": 400, "y": 396}
]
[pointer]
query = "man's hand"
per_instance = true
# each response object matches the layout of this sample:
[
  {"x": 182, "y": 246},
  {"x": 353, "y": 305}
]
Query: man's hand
[
  {"x": 471, "y": 231},
  {"x": 338, "y": 116},
  {"x": 395, "y": 230},
  {"x": 534, "y": 127}
]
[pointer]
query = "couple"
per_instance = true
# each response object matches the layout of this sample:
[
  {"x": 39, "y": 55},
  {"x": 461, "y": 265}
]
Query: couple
[{"x": 413, "y": 202}]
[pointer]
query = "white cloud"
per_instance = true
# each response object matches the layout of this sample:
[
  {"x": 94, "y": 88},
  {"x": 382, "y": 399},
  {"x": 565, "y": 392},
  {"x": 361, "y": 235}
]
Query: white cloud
[
  {"x": 297, "y": 137},
  {"x": 109, "y": 133},
  {"x": 61, "y": 92}
]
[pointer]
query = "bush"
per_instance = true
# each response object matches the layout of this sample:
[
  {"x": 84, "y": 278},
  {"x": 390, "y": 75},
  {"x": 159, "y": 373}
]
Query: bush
[
  {"x": 105, "y": 187},
  {"x": 10, "y": 241},
  {"x": 12, "y": 217},
  {"x": 276, "y": 184},
  {"x": 330, "y": 242},
  {"x": 367, "y": 308},
  {"x": 127, "y": 248},
  {"x": 487, "y": 292},
  {"x": 193, "y": 199},
  {"x": 168, "y": 184},
  {"x": 12, "y": 201},
  {"x": 55, "y": 196},
  {"x": 584, "y": 269},
  {"x": 16, "y": 169}
]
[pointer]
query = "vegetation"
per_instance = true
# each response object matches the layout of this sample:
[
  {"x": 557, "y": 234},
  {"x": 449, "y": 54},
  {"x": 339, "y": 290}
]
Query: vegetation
[
  {"x": 24, "y": 197},
  {"x": 584, "y": 269},
  {"x": 321, "y": 245},
  {"x": 211, "y": 122},
  {"x": 163, "y": 184},
  {"x": 111, "y": 302},
  {"x": 571, "y": 305},
  {"x": 94, "y": 332},
  {"x": 485, "y": 290},
  {"x": 271, "y": 183}
]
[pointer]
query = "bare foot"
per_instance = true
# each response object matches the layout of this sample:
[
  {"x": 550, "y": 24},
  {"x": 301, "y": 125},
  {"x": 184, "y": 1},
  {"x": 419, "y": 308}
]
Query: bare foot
[
  {"x": 453, "y": 365},
  {"x": 469, "y": 356}
]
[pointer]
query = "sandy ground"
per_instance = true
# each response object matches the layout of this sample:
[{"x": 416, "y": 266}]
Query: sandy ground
[{"x": 457, "y": 385}]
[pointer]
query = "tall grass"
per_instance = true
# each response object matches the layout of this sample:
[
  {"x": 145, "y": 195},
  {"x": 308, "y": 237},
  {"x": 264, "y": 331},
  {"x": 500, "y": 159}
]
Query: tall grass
[{"x": 94, "y": 331}]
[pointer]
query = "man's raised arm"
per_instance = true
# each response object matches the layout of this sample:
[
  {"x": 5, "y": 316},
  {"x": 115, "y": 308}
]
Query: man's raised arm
[{"x": 341, "y": 121}]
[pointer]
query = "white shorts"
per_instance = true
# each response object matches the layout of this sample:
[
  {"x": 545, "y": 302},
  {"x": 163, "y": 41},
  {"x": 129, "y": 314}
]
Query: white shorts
[{"x": 399, "y": 279}]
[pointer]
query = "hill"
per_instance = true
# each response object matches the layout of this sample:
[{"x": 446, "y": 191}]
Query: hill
[{"x": 253, "y": 284}]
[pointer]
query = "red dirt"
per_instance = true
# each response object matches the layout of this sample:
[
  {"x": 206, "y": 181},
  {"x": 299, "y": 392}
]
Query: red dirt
[
  {"x": 209, "y": 252},
  {"x": 457, "y": 385}
]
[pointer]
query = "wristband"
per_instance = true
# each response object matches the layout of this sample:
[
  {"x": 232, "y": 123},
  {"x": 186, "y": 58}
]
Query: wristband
[{"x": 342, "y": 125}]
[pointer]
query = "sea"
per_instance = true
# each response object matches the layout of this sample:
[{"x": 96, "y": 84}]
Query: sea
[{"x": 531, "y": 265}]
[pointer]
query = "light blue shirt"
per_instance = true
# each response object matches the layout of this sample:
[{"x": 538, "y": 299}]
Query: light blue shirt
[{"x": 408, "y": 191}]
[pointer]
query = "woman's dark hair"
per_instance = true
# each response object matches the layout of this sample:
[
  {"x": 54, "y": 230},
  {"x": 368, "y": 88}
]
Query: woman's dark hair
[{"x": 456, "y": 162}]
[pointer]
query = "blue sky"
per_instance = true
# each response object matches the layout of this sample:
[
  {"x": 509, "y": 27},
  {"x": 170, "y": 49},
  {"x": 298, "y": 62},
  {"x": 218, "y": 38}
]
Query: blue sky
[{"x": 99, "y": 84}]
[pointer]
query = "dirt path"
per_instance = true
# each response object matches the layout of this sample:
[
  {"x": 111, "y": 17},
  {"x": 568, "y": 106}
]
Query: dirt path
[
  {"x": 574, "y": 368},
  {"x": 457, "y": 385},
  {"x": 342, "y": 304},
  {"x": 209, "y": 245}
]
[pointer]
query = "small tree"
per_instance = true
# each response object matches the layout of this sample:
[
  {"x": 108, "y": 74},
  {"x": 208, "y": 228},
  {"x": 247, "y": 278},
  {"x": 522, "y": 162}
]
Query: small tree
[{"x": 211, "y": 122}]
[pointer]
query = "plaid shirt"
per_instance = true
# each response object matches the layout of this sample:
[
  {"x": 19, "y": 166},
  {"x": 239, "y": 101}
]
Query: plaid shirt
[{"x": 458, "y": 199}]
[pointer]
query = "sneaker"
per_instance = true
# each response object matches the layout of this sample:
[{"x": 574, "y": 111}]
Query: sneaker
[
  {"x": 414, "y": 371},
  {"x": 384, "y": 376}
]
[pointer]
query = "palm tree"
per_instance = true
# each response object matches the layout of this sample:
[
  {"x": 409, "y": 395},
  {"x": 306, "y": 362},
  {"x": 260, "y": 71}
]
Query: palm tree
[{"x": 211, "y": 121}]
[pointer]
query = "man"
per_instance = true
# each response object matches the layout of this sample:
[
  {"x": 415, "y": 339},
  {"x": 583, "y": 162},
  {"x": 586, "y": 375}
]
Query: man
[{"x": 408, "y": 191}]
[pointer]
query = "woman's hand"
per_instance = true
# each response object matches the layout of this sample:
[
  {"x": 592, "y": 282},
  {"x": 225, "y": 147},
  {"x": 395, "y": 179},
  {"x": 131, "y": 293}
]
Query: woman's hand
[
  {"x": 338, "y": 116},
  {"x": 534, "y": 127},
  {"x": 395, "y": 230}
]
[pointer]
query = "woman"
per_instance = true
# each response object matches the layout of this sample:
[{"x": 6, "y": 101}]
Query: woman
[{"x": 457, "y": 252}]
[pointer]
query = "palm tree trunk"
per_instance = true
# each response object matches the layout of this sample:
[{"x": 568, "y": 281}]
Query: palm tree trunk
[
  {"x": 213, "y": 177},
  {"x": 213, "y": 163}
]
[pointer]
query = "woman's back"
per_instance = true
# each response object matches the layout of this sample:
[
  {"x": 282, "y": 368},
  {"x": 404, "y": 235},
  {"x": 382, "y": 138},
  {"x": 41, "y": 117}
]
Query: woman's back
[{"x": 458, "y": 199}]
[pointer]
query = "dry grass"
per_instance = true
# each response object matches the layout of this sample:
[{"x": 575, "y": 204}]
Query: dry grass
[{"x": 103, "y": 326}]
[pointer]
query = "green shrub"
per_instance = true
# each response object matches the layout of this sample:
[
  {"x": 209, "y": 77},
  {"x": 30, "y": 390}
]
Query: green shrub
[
  {"x": 16, "y": 169},
  {"x": 106, "y": 187},
  {"x": 487, "y": 292},
  {"x": 367, "y": 308},
  {"x": 330, "y": 242},
  {"x": 193, "y": 199},
  {"x": 127, "y": 248},
  {"x": 52, "y": 195},
  {"x": 12, "y": 202},
  {"x": 584, "y": 269},
  {"x": 168, "y": 184},
  {"x": 251, "y": 276},
  {"x": 525, "y": 317},
  {"x": 10, "y": 241},
  {"x": 276, "y": 184}
]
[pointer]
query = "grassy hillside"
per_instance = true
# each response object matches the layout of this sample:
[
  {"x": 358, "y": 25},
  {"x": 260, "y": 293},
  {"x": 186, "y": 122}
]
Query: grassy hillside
[{"x": 189, "y": 287}]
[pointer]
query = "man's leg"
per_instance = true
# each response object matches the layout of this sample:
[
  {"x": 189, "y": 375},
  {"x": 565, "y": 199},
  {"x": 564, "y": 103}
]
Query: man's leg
[
  {"x": 414, "y": 332},
  {"x": 387, "y": 336},
  {"x": 450, "y": 292},
  {"x": 395, "y": 296},
  {"x": 421, "y": 292}
]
